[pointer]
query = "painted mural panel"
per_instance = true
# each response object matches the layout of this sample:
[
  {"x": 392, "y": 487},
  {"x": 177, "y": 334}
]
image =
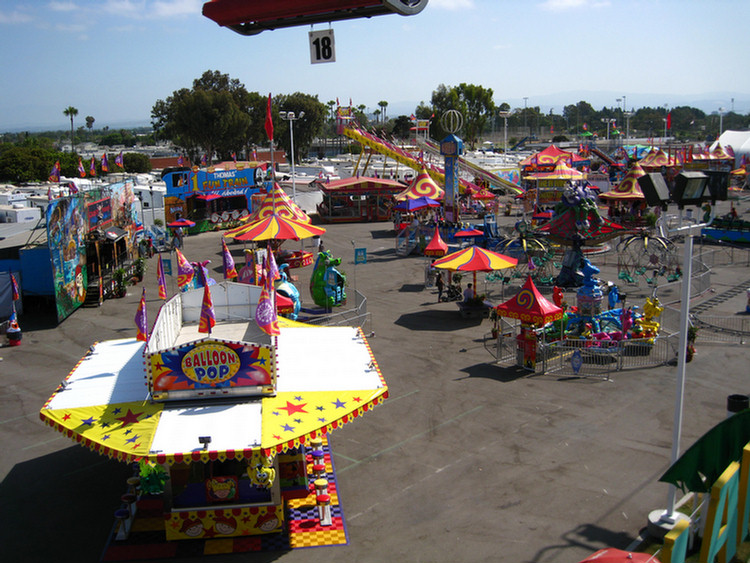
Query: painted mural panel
[{"x": 66, "y": 231}]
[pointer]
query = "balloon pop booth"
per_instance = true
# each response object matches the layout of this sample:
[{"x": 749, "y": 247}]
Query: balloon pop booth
[{"x": 225, "y": 430}]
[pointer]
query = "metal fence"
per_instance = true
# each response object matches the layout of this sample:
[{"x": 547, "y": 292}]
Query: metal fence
[
  {"x": 582, "y": 358},
  {"x": 357, "y": 316}
]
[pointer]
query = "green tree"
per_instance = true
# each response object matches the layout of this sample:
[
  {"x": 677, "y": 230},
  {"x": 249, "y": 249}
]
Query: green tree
[
  {"x": 474, "y": 102},
  {"x": 71, "y": 112},
  {"x": 305, "y": 128},
  {"x": 402, "y": 127},
  {"x": 90, "y": 123},
  {"x": 136, "y": 162},
  {"x": 212, "y": 117},
  {"x": 384, "y": 106}
]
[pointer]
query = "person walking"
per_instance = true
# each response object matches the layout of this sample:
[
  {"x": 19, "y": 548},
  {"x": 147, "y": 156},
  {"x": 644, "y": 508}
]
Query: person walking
[{"x": 440, "y": 285}]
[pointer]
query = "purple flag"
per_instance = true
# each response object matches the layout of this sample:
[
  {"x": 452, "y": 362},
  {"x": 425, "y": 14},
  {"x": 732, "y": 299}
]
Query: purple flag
[
  {"x": 140, "y": 319},
  {"x": 230, "y": 272},
  {"x": 208, "y": 318}
]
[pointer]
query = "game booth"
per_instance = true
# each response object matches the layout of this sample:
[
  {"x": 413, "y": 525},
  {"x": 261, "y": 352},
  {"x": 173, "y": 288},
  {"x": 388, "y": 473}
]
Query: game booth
[{"x": 226, "y": 431}]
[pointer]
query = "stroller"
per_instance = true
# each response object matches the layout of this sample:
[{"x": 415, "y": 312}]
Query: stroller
[{"x": 453, "y": 293}]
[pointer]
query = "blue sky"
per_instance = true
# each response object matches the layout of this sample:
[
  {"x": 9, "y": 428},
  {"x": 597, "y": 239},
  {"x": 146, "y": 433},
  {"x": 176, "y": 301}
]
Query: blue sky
[{"x": 113, "y": 59}]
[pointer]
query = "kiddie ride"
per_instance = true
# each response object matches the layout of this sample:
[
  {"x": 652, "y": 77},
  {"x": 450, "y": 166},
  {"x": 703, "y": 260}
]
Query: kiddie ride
[
  {"x": 584, "y": 327},
  {"x": 327, "y": 283}
]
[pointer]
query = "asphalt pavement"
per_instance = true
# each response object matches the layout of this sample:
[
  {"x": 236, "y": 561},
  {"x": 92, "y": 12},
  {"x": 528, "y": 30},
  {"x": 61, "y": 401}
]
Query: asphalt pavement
[{"x": 466, "y": 461}]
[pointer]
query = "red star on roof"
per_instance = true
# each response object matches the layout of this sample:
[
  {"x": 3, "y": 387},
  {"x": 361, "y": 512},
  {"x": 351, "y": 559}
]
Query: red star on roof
[
  {"x": 291, "y": 409},
  {"x": 130, "y": 418}
]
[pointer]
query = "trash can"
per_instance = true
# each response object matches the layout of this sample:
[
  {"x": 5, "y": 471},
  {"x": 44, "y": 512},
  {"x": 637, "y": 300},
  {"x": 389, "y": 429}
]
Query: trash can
[{"x": 737, "y": 403}]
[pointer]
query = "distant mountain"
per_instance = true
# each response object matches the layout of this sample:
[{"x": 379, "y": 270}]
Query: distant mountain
[{"x": 129, "y": 124}]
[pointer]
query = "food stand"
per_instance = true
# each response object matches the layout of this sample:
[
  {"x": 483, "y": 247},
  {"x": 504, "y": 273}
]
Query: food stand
[{"x": 225, "y": 418}]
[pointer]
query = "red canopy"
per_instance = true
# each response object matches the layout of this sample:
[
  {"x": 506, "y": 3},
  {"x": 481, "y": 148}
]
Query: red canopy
[
  {"x": 530, "y": 306},
  {"x": 437, "y": 246}
]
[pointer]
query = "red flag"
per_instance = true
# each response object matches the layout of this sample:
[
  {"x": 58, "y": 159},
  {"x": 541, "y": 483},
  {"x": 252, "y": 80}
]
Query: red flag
[
  {"x": 269, "y": 120},
  {"x": 161, "y": 279},
  {"x": 208, "y": 318},
  {"x": 140, "y": 319},
  {"x": 669, "y": 120}
]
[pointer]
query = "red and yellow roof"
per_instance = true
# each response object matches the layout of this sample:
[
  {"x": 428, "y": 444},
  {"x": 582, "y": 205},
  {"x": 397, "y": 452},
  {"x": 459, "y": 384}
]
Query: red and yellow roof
[{"x": 328, "y": 377}]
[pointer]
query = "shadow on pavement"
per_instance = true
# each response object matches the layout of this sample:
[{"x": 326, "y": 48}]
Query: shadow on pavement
[
  {"x": 63, "y": 504},
  {"x": 435, "y": 320},
  {"x": 502, "y": 374}
]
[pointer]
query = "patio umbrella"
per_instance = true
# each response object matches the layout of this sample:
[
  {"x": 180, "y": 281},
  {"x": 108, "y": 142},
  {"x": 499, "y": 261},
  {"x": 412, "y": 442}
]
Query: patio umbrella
[
  {"x": 612, "y": 555},
  {"x": 475, "y": 259},
  {"x": 181, "y": 223},
  {"x": 276, "y": 227},
  {"x": 415, "y": 204},
  {"x": 437, "y": 246}
]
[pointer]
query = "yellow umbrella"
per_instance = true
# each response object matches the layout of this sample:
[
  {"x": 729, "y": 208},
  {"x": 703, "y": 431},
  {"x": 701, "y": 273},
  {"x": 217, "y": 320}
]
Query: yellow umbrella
[{"x": 475, "y": 259}]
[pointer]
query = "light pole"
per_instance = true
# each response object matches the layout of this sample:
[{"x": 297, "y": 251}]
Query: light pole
[
  {"x": 504, "y": 115},
  {"x": 525, "y": 106},
  {"x": 291, "y": 118},
  {"x": 721, "y": 122}
]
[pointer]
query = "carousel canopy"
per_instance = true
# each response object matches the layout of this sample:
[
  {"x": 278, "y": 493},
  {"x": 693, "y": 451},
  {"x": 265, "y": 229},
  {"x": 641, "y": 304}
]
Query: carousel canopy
[
  {"x": 530, "y": 306},
  {"x": 277, "y": 202},
  {"x": 275, "y": 227},
  {"x": 628, "y": 188},
  {"x": 656, "y": 158},
  {"x": 561, "y": 172},
  {"x": 422, "y": 186},
  {"x": 564, "y": 228},
  {"x": 550, "y": 156}
]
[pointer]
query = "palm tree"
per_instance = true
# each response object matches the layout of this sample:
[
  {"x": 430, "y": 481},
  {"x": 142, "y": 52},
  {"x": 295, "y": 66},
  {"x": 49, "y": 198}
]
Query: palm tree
[
  {"x": 71, "y": 112},
  {"x": 90, "y": 124},
  {"x": 383, "y": 104}
]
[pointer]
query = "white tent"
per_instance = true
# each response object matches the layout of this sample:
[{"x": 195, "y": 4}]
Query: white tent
[{"x": 740, "y": 143}]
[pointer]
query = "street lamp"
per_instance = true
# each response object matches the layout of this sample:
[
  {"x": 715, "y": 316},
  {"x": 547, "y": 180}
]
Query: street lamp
[
  {"x": 505, "y": 115},
  {"x": 721, "y": 121},
  {"x": 291, "y": 118},
  {"x": 525, "y": 106}
]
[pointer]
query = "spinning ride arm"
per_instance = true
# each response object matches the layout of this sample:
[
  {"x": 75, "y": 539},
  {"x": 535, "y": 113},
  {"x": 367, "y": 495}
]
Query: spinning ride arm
[{"x": 251, "y": 17}]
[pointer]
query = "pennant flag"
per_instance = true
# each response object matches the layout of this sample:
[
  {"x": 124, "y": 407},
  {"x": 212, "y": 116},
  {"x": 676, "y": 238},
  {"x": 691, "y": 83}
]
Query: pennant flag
[
  {"x": 234, "y": 157},
  {"x": 140, "y": 319},
  {"x": 255, "y": 155},
  {"x": 208, "y": 318},
  {"x": 585, "y": 127},
  {"x": 161, "y": 279},
  {"x": 105, "y": 163},
  {"x": 54, "y": 175},
  {"x": 92, "y": 168},
  {"x": 119, "y": 161},
  {"x": 180, "y": 161},
  {"x": 265, "y": 314},
  {"x": 669, "y": 120},
  {"x": 230, "y": 272},
  {"x": 204, "y": 160},
  {"x": 184, "y": 270},
  {"x": 81, "y": 168},
  {"x": 14, "y": 288},
  {"x": 269, "y": 120},
  {"x": 273, "y": 269},
  {"x": 531, "y": 264}
]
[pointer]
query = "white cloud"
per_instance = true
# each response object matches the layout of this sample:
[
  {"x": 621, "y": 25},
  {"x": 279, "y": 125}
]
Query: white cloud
[
  {"x": 14, "y": 17},
  {"x": 62, "y": 6},
  {"x": 160, "y": 9},
  {"x": 452, "y": 5},
  {"x": 562, "y": 5}
]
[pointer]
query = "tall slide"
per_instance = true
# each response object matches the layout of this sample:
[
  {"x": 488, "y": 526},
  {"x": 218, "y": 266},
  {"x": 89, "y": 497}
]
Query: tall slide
[{"x": 437, "y": 173}]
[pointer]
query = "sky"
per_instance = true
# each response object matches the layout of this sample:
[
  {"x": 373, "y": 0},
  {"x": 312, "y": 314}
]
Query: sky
[{"x": 113, "y": 59}]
